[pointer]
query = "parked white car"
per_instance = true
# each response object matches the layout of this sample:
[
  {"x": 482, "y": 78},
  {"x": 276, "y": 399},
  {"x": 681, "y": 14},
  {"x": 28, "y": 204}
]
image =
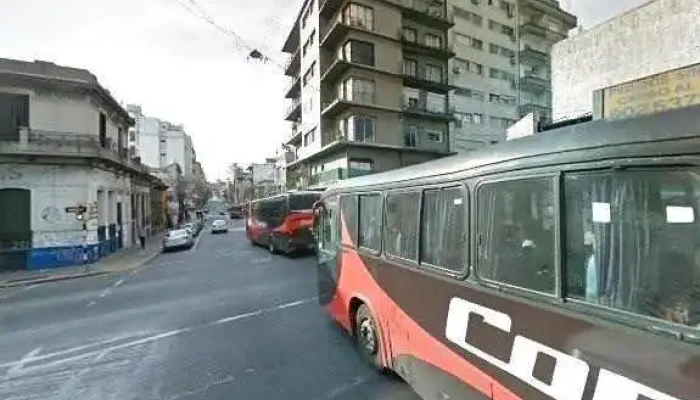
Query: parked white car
[
  {"x": 178, "y": 239},
  {"x": 219, "y": 226}
]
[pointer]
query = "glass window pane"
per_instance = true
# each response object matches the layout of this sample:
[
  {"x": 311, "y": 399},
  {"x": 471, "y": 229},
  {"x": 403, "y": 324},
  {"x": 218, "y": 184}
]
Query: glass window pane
[
  {"x": 443, "y": 235},
  {"x": 348, "y": 209},
  {"x": 370, "y": 222},
  {"x": 516, "y": 229},
  {"x": 402, "y": 210},
  {"x": 633, "y": 240}
]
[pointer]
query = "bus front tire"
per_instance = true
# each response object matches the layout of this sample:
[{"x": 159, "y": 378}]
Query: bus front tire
[{"x": 367, "y": 337}]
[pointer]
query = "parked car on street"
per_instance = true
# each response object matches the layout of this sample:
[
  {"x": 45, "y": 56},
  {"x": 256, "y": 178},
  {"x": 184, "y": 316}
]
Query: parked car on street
[
  {"x": 195, "y": 227},
  {"x": 219, "y": 226},
  {"x": 178, "y": 239}
]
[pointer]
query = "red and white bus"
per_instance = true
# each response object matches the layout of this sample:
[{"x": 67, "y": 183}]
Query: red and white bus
[
  {"x": 561, "y": 266},
  {"x": 283, "y": 222}
]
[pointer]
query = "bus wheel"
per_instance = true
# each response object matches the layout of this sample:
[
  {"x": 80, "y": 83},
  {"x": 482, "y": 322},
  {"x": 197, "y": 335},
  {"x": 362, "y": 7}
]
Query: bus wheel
[
  {"x": 272, "y": 245},
  {"x": 367, "y": 337}
]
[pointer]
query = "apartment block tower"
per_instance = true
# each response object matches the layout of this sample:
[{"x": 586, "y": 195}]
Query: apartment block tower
[
  {"x": 368, "y": 88},
  {"x": 501, "y": 71}
]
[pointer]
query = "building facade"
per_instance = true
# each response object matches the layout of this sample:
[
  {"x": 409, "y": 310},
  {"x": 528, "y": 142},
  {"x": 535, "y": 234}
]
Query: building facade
[
  {"x": 161, "y": 143},
  {"x": 69, "y": 191},
  {"x": 658, "y": 36},
  {"x": 502, "y": 68},
  {"x": 368, "y": 88}
]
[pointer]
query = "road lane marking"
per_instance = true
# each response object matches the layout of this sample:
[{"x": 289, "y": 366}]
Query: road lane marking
[
  {"x": 17, "y": 368},
  {"x": 118, "y": 283},
  {"x": 92, "y": 303},
  {"x": 105, "y": 292},
  {"x": 262, "y": 311},
  {"x": 94, "y": 349},
  {"x": 196, "y": 243}
]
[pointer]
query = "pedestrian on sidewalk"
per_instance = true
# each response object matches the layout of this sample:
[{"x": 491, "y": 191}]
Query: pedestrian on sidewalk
[{"x": 142, "y": 236}]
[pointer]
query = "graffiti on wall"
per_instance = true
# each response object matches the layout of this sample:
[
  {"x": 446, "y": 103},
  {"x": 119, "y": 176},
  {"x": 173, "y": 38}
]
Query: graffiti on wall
[{"x": 51, "y": 215}]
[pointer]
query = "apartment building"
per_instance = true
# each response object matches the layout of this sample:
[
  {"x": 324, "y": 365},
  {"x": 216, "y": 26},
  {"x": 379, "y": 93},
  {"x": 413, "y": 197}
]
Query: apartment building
[
  {"x": 160, "y": 143},
  {"x": 369, "y": 87},
  {"x": 501, "y": 70}
]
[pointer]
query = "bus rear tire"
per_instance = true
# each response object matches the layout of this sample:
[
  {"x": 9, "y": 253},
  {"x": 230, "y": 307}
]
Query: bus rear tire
[
  {"x": 368, "y": 338},
  {"x": 272, "y": 245}
]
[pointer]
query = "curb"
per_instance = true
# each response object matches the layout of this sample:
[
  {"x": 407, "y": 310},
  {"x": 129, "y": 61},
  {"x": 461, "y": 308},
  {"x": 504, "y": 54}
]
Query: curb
[{"x": 58, "y": 278}]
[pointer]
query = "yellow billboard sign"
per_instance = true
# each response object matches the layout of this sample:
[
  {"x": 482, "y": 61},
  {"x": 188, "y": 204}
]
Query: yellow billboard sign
[{"x": 656, "y": 93}]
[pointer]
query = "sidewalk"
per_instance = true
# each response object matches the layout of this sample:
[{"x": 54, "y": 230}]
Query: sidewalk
[{"x": 123, "y": 261}]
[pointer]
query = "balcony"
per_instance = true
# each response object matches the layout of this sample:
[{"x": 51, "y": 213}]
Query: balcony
[
  {"x": 37, "y": 143},
  {"x": 337, "y": 105},
  {"x": 534, "y": 83},
  {"x": 293, "y": 88},
  {"x": 328, "y": 8},
  {"x": 421, "y": 109},
  {"x": 294, "y": 136},
  {"x": 337, "y": 174},
  {"x": 416, "y": 76},
  {"x": 294, "y": 110},
  {"x": 548, "y": 7},
  {"x": 537, "y": 109},
  {"x": 534, "y": 29},
  {"x": 293, "y": 65},
  {"x": 444, "y": 52},
  {"x": 334, "y": 71},
  {"x": 529, "y": 55},
  {"x": 432, "y": 13}
]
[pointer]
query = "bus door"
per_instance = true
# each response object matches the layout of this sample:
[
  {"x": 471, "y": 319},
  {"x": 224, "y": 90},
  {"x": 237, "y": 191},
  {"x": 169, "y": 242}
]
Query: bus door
[{"x": 327, "y": 248}]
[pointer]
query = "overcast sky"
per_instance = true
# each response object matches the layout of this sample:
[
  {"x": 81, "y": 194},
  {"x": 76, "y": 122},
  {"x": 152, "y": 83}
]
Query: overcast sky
[{"x": 179, "y": 68}]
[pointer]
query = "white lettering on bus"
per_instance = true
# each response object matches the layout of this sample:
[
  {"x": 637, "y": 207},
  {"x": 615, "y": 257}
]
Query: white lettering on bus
[{"x": 569, "y": 375}]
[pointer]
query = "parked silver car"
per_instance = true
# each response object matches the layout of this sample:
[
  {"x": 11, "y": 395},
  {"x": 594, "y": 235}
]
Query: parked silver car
[{"x": 178, "y": 239}]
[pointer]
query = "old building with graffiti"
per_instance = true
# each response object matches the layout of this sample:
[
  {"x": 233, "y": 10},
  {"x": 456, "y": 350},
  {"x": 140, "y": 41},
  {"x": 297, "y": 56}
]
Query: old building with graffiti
[{"x": 63, "y": 149}]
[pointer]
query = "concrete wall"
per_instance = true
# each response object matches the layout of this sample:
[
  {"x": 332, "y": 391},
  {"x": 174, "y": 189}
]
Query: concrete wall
[
  {"x": 56, "y": 233},
  {"x": 656, "y": 37}
]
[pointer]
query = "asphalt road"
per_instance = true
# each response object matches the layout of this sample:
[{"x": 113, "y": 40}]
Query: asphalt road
[{"x": 223, "y": 321}]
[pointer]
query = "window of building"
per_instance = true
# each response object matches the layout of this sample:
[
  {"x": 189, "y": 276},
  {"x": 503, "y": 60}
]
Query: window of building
[
  {"x": 359, "y": 15},
  {"x": 433, "y": 73},
  {"x": 370, "y": 222},
  {"x": 410, "y": 137},
  {"x": 359, "y": 52},
  {"x": 443, "y": 237},
  {"x": 307, "y": 13},
  {"x": 410, "y": 35},
  {"x": 501, "y": 123},
  {"x": 310, "y": 137},
  {"x": 436, "y": 102},
  {"x": 411, "y": 97},
  {"x": 120, "y": 138},
  {"x": 496, "y": 73},
  {"x": 103, "y": 130},
  {"x": 516, "y": 228},
  {"x": 410, "y": 67},
  {"x": 402, "y": 211},
  {"x": 434, "y": 136},
  {"x": 358, "y": 89},
  {"x": 470, "y": 93},
  {"x": 477, "y": 118},
  {"x": 507, "y": 8},
  {"x": 475, "y": 19},
  {"x": 632, "y": 241},
  {"x": 362, "y": 127},
  {"x": 433, "y": 41},
  {"x": 361, "y": 164},
  {"x": 307, "y": 77},
  {"x": 312, "y": 36},
  {"x": 477, "y": 44},
  {"x": 501, "y": 98}
]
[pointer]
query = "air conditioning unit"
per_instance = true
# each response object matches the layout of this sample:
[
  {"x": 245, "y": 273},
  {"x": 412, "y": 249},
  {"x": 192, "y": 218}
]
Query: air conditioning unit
[{"x": 456, "y": 70}]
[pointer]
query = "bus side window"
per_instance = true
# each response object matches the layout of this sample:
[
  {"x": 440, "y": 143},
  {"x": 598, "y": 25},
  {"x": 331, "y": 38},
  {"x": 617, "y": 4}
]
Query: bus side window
[
  {"x": 349, "y": 219},
  {"x": 631, "y": 240},
  {"x": 443, "y": 234},
  {"x": 402, "y": 219},
  {"x": 516, "y": 227},
  {"x": 370, "y": 227}
]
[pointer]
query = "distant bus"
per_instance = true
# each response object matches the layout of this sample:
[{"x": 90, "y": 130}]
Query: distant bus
[
  {"x": 562, "y": 266},
  {"x": 237, "y": 211},
  {"x": 282, "y": 223}
]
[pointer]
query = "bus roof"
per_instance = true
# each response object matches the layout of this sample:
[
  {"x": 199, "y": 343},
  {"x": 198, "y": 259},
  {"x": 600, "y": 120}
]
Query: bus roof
[
  {"x": 676, "y": 124},
  {"x": 286, "y": 194}
]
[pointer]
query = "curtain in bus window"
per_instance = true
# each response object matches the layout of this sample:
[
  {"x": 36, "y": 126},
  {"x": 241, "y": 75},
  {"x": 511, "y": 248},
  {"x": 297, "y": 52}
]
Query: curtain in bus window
[
  {"x": 516, "y": 230},
  {"x": 443, "y": 235},
  {"x": 631, "y": 242},
  {"x": 348, "y": 212},
  {"x": 370, "y": 222},
  {"x": 402, "y": 212}
]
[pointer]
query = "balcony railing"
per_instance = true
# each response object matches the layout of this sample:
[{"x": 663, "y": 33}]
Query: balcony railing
[
  {"x": 444, "y": 49},
  {"x": 431, "y": 12},
  {"x": 293, "y": 88},
  {"x": 294, "y": 110},
  {"x": 66, "y": 144},
  {"x": 357, "y": 97},
  {"x": 421, "y": 75},
  {"x": 423, "y": 108},
  {"x": 530, "y": 80},
  {"x": 293, "y": 65},
  {"x": 337, "y": 174},
  {"x": 535, "y": 28}
]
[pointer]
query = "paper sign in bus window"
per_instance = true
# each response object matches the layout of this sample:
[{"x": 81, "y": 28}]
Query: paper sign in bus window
[
  {"x": 680, "y": 215},
  {"x": 458, "y": 202},
  {"x": 601, "y": 212}
]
